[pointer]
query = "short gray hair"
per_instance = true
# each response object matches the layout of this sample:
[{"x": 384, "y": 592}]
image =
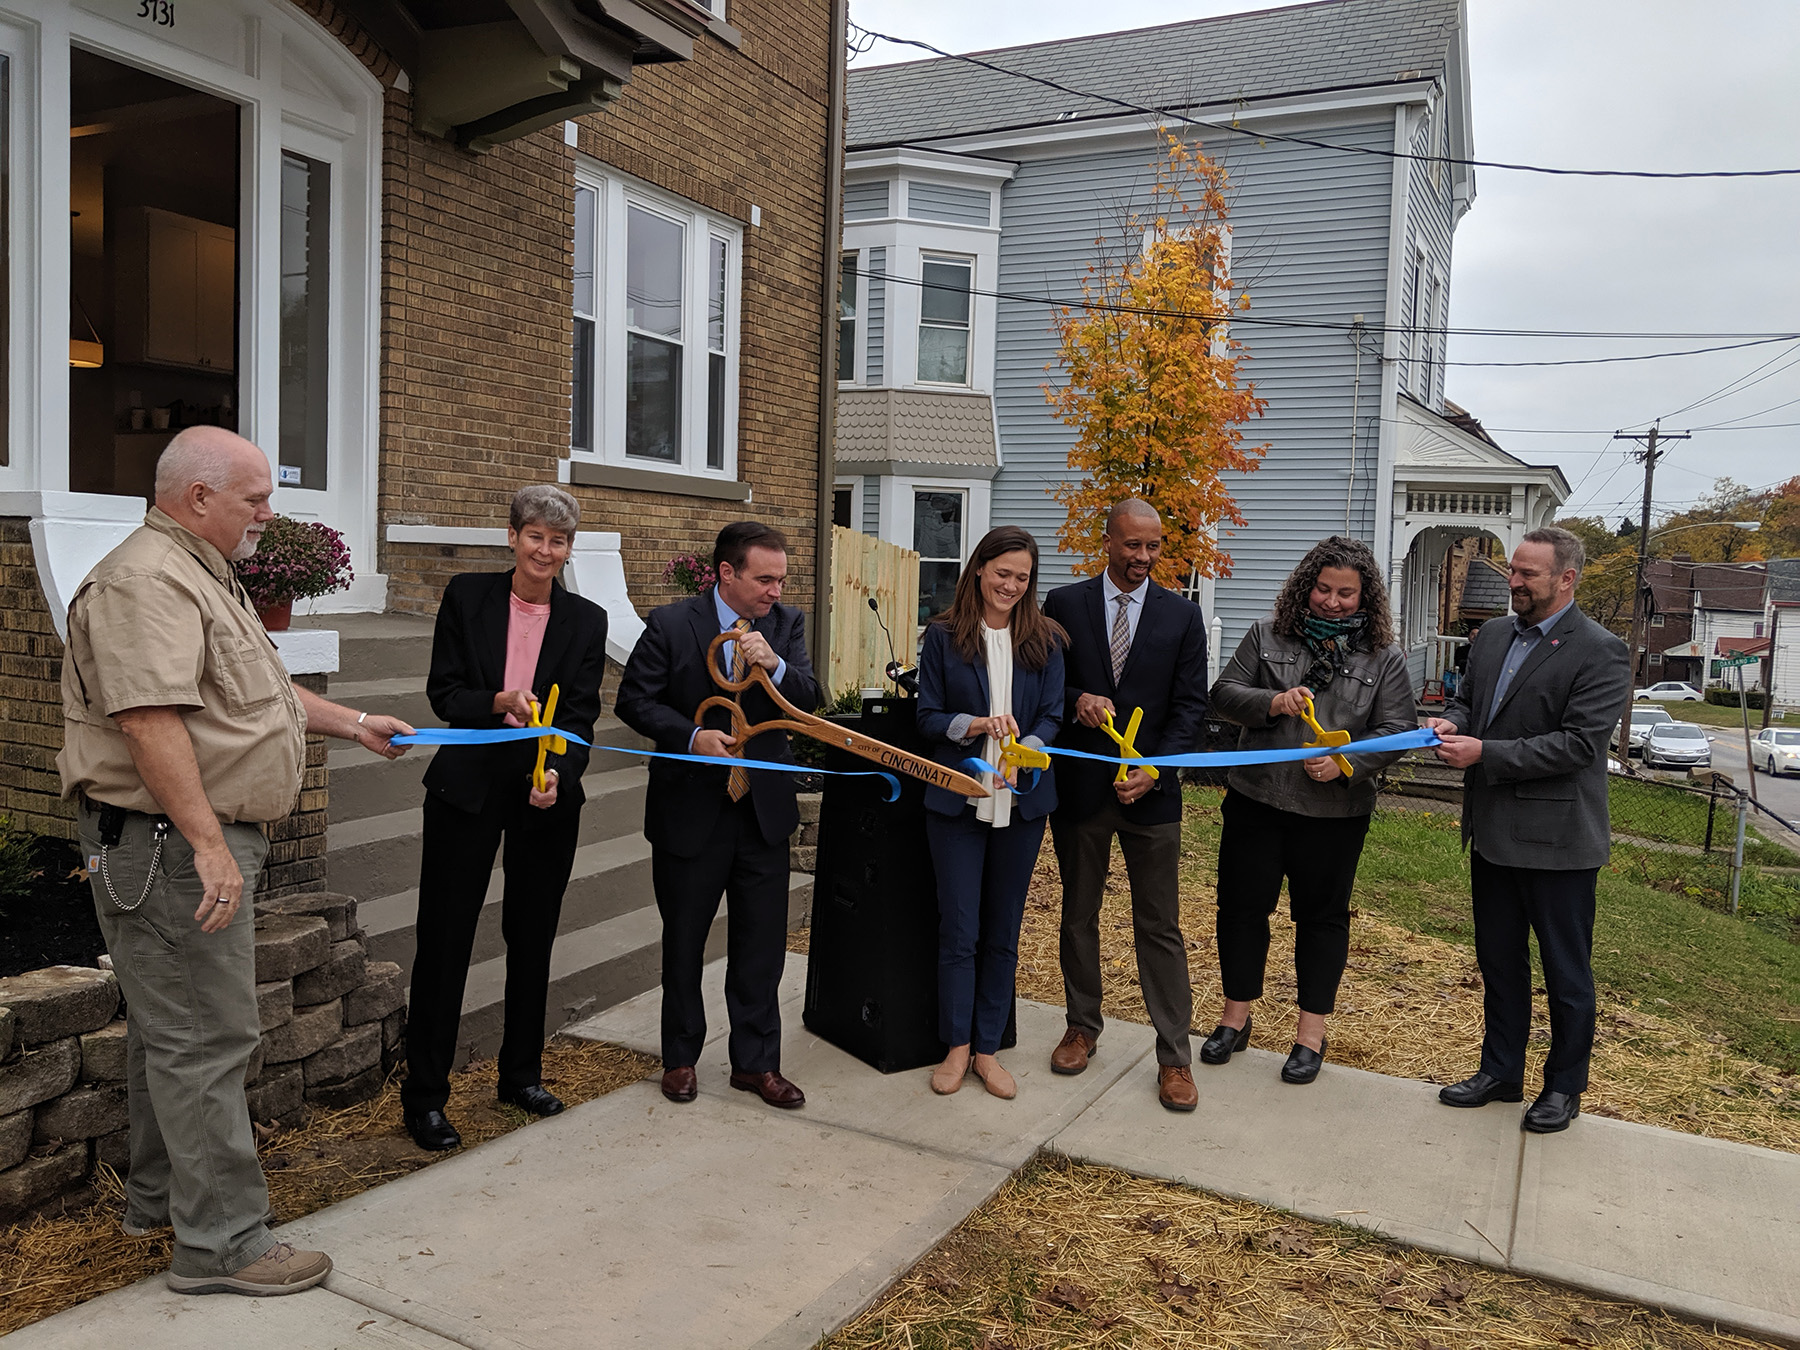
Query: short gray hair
[
  {"x": 1565, "y": 546},
  {"x": 196, "y": 455},
  {"x": 547, "y": 505}
]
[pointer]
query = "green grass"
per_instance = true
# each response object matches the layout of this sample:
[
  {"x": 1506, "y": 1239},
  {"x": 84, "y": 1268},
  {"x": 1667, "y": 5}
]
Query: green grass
[
  {"x": 1654, "y": 941},
  {"x": 1675, "y": 816},
  {"x": 1712, "y": 715}
]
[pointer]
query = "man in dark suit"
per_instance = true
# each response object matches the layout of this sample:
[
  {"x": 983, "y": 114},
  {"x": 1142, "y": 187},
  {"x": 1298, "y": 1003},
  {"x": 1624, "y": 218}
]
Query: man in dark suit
[
  {"x": 1132, "y": 644},
  {"x": 1529, "y": 727},
  {"x": 722, "y": 831}
]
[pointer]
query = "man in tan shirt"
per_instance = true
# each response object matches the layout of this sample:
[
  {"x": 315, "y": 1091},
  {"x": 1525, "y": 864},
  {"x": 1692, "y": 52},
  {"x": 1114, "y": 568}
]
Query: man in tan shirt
[{"x": 183, "y": 737}]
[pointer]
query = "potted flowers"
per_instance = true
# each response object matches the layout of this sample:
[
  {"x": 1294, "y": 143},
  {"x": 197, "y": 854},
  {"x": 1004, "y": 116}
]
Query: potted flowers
[
  {"x": 296, "y": 560},
  {"x": 689, "y": 573}
]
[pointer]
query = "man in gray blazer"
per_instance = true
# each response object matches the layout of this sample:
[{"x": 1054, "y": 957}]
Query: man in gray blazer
[{"x": 1529, "y": 726}]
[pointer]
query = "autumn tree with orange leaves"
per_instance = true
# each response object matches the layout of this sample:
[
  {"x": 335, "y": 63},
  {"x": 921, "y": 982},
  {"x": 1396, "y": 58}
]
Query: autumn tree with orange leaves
[{"x": 1152, "y": 383}]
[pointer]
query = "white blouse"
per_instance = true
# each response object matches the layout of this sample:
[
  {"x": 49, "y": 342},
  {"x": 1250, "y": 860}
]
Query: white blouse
[{"x": 996, "y": 808}]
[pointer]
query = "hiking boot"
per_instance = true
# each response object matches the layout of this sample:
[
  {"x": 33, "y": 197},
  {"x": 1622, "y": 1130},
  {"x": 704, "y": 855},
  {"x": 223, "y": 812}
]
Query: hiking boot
[{"x": 280, "y": 1270}]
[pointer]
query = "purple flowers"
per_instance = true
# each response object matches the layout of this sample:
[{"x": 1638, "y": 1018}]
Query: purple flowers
[
  {"x": 296, "y": 560},
  {"x": 689, "y": 572}
]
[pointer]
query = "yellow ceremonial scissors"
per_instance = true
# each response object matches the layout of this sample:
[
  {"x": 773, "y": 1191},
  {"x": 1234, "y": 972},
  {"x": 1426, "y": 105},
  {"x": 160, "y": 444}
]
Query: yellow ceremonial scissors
[
  {"x": 1325, "y": 738},
  {"x": 545, "y": 743},
  {"x": 1015, "y": 756},
  {"x": 1126, "y": 743}
]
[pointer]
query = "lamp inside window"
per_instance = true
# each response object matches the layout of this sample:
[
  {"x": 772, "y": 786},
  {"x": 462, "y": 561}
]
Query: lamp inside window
[{"x": 87, "y": 353}]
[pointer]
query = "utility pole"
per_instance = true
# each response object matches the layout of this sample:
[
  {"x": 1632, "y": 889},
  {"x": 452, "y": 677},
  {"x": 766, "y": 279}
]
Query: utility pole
[{"x": 1640, "y": 610}]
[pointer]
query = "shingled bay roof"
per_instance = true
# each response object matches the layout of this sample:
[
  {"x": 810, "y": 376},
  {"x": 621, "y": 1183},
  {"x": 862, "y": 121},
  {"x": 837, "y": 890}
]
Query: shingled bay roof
[
  {"x": 1334, "y": 44},
  {"x": 916, "y": 427}
]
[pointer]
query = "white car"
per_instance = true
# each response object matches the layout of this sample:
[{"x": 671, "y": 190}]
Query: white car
[
  {"x": 1776, "y": 751},
  {"x": 1670, "y": 691},
  {"x": 1677, "y": 745},
  {"x": 1642, "y": 719}
]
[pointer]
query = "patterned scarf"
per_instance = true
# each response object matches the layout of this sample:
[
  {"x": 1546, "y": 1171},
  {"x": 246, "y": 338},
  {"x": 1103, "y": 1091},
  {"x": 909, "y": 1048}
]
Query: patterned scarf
[{"x": 1330, "y": 641}]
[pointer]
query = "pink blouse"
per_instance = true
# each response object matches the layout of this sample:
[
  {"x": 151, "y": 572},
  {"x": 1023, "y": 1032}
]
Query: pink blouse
[{"x": 524, "y": 640}]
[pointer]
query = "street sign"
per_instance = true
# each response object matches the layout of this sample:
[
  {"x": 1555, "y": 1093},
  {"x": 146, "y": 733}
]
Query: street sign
[{"x": 1732, "y": 662}]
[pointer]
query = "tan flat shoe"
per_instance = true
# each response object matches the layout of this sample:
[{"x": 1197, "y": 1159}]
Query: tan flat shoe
[
  {"x": 997, "y": 1080},
  {"x": 948, "y": 1076}
]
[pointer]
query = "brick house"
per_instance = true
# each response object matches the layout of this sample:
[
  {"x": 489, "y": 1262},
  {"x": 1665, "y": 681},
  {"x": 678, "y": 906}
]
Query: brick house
[
  {"x": 422, "y": 254},
  {"x": 1700, "y": 613}
]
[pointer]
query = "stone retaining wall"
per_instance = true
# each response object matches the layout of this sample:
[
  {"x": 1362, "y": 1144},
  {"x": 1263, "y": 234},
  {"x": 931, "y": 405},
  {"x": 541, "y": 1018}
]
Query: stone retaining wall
[{"x": 333, "y": 1025}]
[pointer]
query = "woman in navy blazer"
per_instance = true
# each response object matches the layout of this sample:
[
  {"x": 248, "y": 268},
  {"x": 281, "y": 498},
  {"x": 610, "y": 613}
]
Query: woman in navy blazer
[{"x": 989, "y": 667}]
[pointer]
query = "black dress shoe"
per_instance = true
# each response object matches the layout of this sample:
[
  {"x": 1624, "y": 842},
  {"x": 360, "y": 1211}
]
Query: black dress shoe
[
  {"x": 432, "y": 1131},
  {"x": 1303, "y": 1062},
  {"x": 1551, "y": 1112},
  {"x": 1225, "y": 1042},
  {"x": 1480, "y": 1089},
  {"x": 534, "y": 1099}
]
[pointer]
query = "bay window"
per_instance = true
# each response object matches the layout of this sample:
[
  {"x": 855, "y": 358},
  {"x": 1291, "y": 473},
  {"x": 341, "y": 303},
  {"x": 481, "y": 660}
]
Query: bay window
[{"x": 944, "y": 308}]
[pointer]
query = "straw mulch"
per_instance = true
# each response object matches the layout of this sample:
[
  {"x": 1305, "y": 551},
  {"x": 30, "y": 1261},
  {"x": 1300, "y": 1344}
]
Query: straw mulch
[
  {"x": 54, "y": 1262},
  {"x": 1070, "y": 1255}
]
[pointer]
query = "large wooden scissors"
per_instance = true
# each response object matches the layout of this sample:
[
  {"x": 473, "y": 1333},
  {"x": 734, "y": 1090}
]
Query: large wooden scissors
[{"x": 817, "y": 728}]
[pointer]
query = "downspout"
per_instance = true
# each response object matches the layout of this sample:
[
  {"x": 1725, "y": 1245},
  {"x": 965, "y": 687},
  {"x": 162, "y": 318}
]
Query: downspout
[
  {"x": 1356, "y": 331},
  {"x": 829, "y": 280}
]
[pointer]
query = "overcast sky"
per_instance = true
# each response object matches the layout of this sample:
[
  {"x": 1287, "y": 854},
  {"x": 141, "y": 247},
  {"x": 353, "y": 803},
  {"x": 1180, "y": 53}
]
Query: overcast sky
[{"x": 1631, "y": 84}]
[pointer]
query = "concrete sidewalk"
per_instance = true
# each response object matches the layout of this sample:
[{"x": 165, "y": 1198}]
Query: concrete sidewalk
[{"x": 724, "y": 1223}]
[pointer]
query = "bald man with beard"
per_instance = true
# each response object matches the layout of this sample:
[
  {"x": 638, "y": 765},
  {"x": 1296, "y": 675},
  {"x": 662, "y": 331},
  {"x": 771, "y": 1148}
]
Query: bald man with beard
[{"x": 182, "y": 739}]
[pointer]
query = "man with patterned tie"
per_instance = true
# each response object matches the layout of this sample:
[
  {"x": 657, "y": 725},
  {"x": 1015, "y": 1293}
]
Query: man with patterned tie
[
  {"x": 1132, "y": 644},
  {"x": 722, "y": 831}
]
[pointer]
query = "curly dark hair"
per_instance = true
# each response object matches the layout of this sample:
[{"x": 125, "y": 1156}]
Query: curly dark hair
[{"x": 1291, "y": 607}]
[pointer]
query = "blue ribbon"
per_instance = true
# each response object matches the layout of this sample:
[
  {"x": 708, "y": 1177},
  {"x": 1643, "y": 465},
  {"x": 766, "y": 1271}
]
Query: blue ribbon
[
  {"x": 498, "y": 735},
  {"x": 1420, "y": 739}
]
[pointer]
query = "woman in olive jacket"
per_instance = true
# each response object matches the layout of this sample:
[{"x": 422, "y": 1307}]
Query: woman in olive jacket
[{"x": 1331, "y": 639}]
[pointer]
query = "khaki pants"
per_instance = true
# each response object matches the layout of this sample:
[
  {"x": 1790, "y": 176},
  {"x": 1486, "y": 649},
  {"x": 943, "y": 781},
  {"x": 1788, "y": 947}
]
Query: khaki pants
[{"x": 191, "y": 1029}]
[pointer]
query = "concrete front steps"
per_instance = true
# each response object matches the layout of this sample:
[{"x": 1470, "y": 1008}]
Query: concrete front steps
[{"x": 609, "y": 935}]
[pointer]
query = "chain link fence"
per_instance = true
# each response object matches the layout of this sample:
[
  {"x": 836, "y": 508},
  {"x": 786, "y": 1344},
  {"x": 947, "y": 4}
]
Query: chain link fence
[{"x": 1704, "y": 839}]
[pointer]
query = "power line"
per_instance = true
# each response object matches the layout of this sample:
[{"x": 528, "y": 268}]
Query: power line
[
  {"x": 1738, "y": 385},
  {"x": 1726, "y": 425},
  {"x": 1229, "y": 129},
  {"x": 1325, "y": 325}
]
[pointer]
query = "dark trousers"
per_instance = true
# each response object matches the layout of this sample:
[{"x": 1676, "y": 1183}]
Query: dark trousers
[
  {"x": 1318, "y": 856},
  {"x": 752, "y": 875},
  {"x": 982, "y": 876},
  {"x": 1511, "y": 903},
  {"x": 458, "y": 863},
  {"x": 1152, "y": 855}
]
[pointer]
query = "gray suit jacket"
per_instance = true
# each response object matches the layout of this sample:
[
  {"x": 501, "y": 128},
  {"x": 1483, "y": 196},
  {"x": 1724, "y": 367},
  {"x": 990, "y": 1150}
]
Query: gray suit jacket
[{"x": 1537, "y": 797}]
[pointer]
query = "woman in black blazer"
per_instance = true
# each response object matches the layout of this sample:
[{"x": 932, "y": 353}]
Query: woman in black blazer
[
  {"x": 502, "y": 639},
  {"x": 991, "y": 666}
]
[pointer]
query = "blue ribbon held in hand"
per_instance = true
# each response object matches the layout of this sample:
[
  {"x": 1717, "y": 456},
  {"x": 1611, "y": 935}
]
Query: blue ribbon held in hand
[{"x": 499, "y": 735}]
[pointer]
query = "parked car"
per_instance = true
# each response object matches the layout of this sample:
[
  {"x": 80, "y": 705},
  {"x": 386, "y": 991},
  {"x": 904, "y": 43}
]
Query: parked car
[
  {"x": 1670, "y": 691},
  {"x": 1776, "y": 751},
  {"x": 1677, "y": 745},
  {"x": 1642, "y": 719}
]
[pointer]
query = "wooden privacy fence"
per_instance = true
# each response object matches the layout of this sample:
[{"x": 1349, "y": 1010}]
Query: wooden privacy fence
[{"x": 863, "y": 567}]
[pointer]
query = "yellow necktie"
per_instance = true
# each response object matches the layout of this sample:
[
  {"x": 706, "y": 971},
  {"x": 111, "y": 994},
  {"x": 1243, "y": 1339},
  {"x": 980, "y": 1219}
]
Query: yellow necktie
[{"x": 740, "y": 776}]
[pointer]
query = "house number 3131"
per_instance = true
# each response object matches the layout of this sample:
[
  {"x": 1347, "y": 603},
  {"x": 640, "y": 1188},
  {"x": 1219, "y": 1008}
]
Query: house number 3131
[{"x": 159, "y": 12}]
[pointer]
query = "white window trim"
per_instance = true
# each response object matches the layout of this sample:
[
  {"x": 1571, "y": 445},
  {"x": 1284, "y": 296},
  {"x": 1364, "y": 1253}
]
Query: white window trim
[
  {"x": 919, "y": 325},
  {"x": 616, "y": 192},
  {"x": 303, "y": 92},
  {"x": 858, "y": 358},
  {"x": 855, "y": 484}
]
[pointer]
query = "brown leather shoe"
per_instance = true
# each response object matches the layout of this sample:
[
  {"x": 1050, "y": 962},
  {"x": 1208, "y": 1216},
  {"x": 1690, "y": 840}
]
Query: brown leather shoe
[
  {"x": 1072, "y": 1051},
  {"x": 771, "y": 1087},
  {"x": 1175, "y": 1087},
  {"x": 680, "y": 1085}
]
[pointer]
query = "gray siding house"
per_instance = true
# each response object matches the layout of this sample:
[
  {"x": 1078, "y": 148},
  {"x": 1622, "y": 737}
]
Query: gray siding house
[{"x": 974, "y": 197}]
